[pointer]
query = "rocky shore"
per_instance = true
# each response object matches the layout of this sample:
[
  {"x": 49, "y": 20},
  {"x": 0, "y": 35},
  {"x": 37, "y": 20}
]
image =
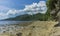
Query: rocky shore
[{"x": 35, "y": 28}]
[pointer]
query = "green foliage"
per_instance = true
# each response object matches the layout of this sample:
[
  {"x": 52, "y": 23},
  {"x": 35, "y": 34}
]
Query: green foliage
[
  {"x": 26, "y": 17},
  {"x": 51, "y": 6}
]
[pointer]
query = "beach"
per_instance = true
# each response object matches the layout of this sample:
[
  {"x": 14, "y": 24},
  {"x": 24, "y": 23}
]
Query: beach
[{"x": 35, "y": 28}]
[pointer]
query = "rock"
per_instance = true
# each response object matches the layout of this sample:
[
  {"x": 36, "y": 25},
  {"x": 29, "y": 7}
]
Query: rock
[{"x": 19, "y": 34}]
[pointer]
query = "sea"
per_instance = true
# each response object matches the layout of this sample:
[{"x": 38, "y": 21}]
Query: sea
[{"x": 12, "y": 22}]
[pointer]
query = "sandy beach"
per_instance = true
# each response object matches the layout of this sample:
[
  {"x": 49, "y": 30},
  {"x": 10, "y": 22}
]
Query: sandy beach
[{"x": 35, "y": 28}]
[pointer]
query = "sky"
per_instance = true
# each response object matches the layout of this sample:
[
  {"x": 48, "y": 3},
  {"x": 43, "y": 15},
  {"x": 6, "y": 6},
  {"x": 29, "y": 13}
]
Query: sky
[{"x": 13, "y": 8}]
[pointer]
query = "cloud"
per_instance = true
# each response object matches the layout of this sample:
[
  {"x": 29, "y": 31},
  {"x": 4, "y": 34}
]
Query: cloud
[
  {"x": 34, "y": 8},
  {"x": 3, "y": 11},
  {"x": 3, "y": 16},
  {"x": 31, "y": 9},
  {"x": 12, "y": 12}
]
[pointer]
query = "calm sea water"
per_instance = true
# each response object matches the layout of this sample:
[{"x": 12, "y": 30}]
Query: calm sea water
[{"x": 12, "y": 22}]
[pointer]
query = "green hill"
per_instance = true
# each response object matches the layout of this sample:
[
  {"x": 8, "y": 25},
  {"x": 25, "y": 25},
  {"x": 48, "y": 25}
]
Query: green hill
[{"x": 26, "y": 17}]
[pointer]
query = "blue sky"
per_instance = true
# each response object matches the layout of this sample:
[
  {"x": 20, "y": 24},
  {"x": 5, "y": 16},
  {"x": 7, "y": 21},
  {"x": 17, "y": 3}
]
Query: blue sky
[
  {"x": 13, "y": 8},
  {"x": 17, "y": 4}
]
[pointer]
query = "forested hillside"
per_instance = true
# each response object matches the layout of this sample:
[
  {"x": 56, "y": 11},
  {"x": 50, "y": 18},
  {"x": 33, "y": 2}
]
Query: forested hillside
[{"x": 26, "y": 17}]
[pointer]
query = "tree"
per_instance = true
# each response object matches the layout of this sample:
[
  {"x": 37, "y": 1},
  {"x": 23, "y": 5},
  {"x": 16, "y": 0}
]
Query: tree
[{"x": 53, "y": 7}]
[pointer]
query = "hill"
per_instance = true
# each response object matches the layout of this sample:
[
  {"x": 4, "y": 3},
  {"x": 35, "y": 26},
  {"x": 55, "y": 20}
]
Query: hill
[{"x": 27, "y": 17}]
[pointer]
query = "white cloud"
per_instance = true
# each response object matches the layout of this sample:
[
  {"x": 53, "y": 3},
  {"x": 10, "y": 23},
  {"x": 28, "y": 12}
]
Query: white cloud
[
  {"x": 12, "y": 12},
  {"x": 34, "y": 8},
  {"x": 3, "y": 16},
  {"x": 3, "y": 11}
]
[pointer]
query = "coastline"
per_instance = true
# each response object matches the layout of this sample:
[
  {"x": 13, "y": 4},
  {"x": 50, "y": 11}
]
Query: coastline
[{"x": 32, "y": 28}]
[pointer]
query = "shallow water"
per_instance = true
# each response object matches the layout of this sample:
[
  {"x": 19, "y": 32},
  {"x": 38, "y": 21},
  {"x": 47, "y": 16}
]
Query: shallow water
[{"x": 12, "y": 22}]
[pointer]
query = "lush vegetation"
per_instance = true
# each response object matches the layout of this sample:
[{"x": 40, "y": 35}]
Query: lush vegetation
[
  {"x": 26, "y": 17},
  {"x": 53, "y": 5}
]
